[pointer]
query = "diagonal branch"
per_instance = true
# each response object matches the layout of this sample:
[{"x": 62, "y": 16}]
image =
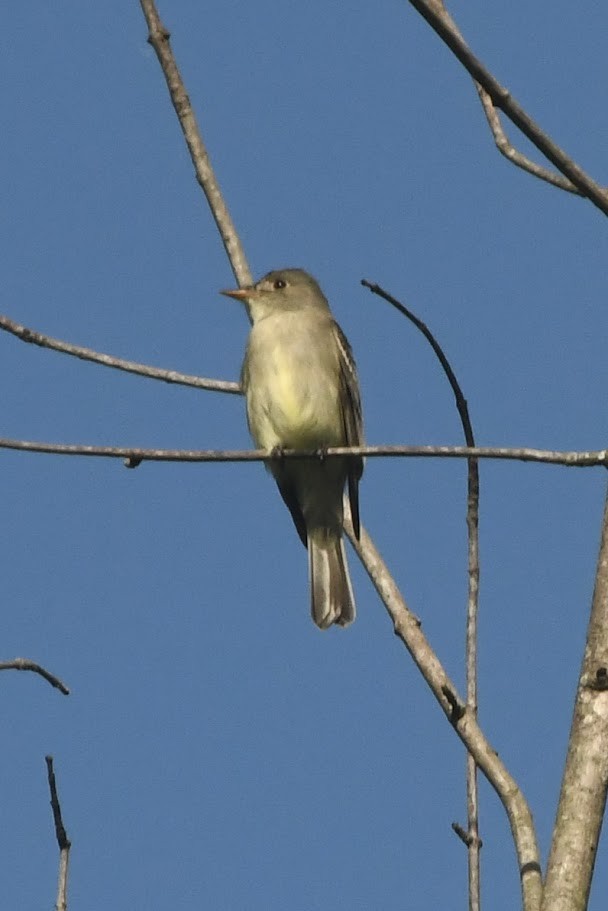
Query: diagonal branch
[
  {"x": 500, "y": 137},
  {"x": 407, "y": 628},
  {"x": 434, "y": 13},
  {"x": 108, "y": 360},
  {"x": 518, "y": 158},
  {"x": 159, "y": 39}
]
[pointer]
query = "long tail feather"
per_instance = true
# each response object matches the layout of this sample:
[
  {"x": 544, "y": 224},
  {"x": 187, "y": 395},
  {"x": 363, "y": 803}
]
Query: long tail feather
[{"x": 331, "y": 593}]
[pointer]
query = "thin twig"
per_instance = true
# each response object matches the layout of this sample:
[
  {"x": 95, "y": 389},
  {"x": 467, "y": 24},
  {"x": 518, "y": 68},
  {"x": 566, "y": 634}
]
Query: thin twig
[
  {"x": 434, "y": 13},
  {"x": 462, "y": 833},
  {"x": 513, "y": 155},
  {"x": 473, "y": 840},
  {"x": 582, "y": 799},
  {"x": 62, "y": 839},
  {"x": 407, "y": 628},
  {"x": 569, "y": 459},
  {"x": 159, "y": 39},
  {"x": 24, "y": 664},
  {"x": 108, "y": 360},
  {"x": 460, "y": 400}
]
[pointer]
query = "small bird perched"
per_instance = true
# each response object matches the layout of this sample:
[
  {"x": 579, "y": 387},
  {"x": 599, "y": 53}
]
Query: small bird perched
[{"x": 300, "y": 381}]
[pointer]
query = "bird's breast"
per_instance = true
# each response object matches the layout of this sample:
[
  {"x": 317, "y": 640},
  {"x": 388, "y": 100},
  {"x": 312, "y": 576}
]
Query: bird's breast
[{"x": 292, "y": 394}]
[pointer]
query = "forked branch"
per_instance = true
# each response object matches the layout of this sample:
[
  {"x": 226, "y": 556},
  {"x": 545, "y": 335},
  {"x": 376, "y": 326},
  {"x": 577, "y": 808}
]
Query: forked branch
[{"x": 434, "y": 12}]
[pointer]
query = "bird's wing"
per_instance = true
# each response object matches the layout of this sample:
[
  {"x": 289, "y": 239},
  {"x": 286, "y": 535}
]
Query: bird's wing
[
  {"x": 288, "y": 492},
  {"x": 352, "y": 419}
]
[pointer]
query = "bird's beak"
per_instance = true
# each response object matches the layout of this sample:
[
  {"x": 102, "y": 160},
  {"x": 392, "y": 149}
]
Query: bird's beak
[{"x": 239, "y": 294}]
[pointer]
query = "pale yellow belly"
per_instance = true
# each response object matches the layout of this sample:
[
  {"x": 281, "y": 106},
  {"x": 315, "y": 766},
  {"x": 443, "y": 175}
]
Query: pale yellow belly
[{"x": 292, "y": 402}]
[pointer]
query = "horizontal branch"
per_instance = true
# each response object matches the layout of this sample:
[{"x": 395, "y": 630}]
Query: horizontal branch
[
  {"x": 574, "y": 459},
  {"x": 108, "y": 360}
]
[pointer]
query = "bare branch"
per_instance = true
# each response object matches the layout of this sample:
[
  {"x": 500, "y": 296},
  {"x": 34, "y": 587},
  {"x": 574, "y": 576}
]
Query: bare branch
[
  {"x": 62, "y": 839},
  {"x": 407, "y": 628},
  {"x": 570, "y": 459},
  {"x": 461, "y": 403},
  {"x": 462, "y": 833},
  {"x": 500, "y": 138},
  {"x": 517, "y": 158},
  {"x": 24, "y": 664},
  {"x": 433, "y": 11},
  {"x": 472, "y": 841},
  {"x": 87, "y": 354},
  {"x": 159, "y": 39},
  {"x": 405, "y": 624},
  {"x": 582, "y": 800}
]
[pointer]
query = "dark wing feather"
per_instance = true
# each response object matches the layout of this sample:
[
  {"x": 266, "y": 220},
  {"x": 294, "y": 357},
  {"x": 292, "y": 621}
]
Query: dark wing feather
[
  {"x": 352, "y": 420},
  {"x": 291, "y": 502}
]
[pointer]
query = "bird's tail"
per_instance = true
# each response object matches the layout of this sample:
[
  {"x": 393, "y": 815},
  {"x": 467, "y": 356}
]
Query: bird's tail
[{"x": 331, "y": 594}]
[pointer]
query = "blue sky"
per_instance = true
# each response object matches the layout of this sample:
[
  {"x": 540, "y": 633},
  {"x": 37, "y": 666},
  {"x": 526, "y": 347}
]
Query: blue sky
[{"x": 217, "y": 749}]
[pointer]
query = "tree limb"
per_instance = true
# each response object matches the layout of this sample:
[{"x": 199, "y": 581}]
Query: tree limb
[
  {"x": 24, "y": 664},
  {"x": 582, "y": 799},
  {"x": 108, "y": 360},
  {"x": 433, "y": 11},
  {"x": 517, "y": 158},
  {"x": 407, "y": 628},
  {"x": 570, "y": 459},
  {"x": 158, "y": 37},
  {"x": 62, "y": 839}
]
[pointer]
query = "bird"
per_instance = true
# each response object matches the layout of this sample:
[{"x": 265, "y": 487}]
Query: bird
[{"x": 301, "y": 388}]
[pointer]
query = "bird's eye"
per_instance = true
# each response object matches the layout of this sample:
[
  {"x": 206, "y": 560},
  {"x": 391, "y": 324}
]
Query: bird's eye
[{"x": 279, "y": 283}]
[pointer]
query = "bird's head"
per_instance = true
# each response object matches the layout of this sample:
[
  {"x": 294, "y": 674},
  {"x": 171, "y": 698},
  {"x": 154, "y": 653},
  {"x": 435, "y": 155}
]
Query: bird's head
[{"x": 280, "y": 290}]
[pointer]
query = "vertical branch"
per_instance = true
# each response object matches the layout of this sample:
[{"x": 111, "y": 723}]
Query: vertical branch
[
  {"x": 159, "y": 39},
  {"x": 471, "y": 837},
  {"x": 62, "y": 839},
  {"x": 473, "y": 841},
  {"x": 582, "y": 800}
]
